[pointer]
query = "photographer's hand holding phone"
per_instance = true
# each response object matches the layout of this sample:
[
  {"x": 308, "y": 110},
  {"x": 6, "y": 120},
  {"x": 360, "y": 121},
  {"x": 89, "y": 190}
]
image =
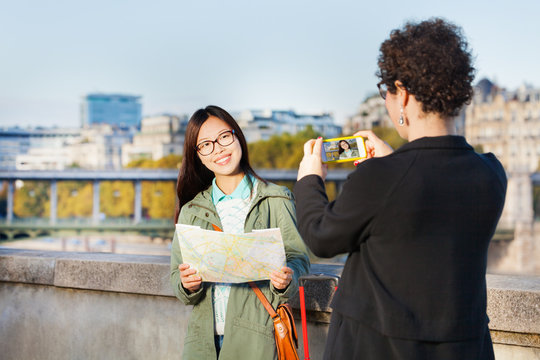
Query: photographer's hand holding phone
[
  {"x": 375, "y": 147},
  {"x": 311, "y": 163},
  {"x": 314, "y": 156}
]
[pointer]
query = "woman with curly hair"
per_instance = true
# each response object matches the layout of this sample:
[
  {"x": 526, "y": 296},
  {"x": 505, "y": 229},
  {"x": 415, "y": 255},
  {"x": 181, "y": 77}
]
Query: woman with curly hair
[{"x": 416, "y": 222}]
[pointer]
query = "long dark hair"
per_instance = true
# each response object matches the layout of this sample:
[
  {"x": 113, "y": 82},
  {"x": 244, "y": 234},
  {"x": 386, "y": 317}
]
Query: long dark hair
[
  {"x": 340, "y": 149},
  {"x": 193, "y": 176}
]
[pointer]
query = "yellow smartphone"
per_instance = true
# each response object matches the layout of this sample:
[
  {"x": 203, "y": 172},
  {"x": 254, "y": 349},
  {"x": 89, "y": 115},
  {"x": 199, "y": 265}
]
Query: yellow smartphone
[{"x": 343, "y": 149}]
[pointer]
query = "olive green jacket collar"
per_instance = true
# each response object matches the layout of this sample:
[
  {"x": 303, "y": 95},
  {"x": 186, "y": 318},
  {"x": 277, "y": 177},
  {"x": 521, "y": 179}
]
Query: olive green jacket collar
[{"x": 202, "y": 205}]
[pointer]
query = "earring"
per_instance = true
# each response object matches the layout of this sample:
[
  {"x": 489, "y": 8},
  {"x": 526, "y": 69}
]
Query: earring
[{"x": 401, "y": 121}]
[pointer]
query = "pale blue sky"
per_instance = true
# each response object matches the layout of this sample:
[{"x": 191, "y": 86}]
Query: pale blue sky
[{"x": 180, "y": 55}]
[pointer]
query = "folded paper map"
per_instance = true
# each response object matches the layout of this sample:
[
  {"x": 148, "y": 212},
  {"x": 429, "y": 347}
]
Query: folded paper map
[{"x": 231, "y": 258}]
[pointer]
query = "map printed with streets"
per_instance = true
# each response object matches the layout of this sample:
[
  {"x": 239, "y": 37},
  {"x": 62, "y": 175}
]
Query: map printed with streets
[{"x": 231, "y": 258}]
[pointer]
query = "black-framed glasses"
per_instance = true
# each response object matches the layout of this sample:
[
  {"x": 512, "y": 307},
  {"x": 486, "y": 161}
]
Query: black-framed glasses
[
  {"x": 383, "y": 89},
  {"x": 226, "y": 138}
]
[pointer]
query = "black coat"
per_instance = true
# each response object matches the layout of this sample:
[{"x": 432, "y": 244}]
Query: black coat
[{"x": 417, "y": 225}]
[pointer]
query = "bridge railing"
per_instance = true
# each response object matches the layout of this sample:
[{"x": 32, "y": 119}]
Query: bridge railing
[
  {"x": 83, "y": 222},
  {"x": 38, "y": 227},
  {"x": 137, "y": 176}
]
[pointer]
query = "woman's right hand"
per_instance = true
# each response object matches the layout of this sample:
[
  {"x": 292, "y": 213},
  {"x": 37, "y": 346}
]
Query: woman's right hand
[
  {"x": 190, "y": 281},
  {"x": 311, "y": 163},
  {"x": 374, "y": 145}
]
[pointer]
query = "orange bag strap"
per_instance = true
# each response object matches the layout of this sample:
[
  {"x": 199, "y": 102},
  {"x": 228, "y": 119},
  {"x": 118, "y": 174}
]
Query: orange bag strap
[{"x": 263, "y": 299}]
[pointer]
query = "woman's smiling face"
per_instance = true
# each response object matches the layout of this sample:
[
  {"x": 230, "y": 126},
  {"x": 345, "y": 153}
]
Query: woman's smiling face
[{"x": 224, "y": 160}]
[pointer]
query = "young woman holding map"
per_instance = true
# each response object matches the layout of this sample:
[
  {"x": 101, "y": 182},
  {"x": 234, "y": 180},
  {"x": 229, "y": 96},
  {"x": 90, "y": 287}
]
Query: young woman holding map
[{"x": 217, "y": 188}]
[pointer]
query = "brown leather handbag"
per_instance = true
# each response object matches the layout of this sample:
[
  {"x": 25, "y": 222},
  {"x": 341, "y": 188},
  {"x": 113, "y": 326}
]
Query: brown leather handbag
[{"x": 284, "y": 328}]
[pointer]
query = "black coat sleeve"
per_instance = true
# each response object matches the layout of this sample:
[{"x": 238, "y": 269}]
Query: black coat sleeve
[{"x": 340, "y": 226}]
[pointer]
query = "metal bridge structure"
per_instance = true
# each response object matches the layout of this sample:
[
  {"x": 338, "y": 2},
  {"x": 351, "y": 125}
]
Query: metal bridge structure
[{"x": 11, "y": 227}]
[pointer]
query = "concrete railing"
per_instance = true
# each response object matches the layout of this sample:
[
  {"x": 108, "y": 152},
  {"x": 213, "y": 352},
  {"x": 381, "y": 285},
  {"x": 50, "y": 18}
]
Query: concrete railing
[{"x": 57, "y": 305}]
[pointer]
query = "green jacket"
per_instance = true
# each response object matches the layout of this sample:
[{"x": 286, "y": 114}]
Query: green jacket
[{"x": 248, "y": 327}]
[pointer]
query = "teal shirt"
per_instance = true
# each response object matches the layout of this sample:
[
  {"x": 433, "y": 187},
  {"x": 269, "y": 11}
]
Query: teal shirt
[{"x": 242, "y": 191}]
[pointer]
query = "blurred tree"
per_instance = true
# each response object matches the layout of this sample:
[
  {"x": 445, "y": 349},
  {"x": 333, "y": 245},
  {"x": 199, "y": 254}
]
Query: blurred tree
[
  {"x": 280, "y": 151},
  {"x": 116, "y": 198},
  {"x": 32, "y": 199},
  {"x": 479, "y": 149},
  {"x": 171, "y": 161},
  {"x": 141, "y": 163},
  {"x": 158, "y": 197},
  {"x": 74, "y": 199},
  {"x": 390, "y": 135}
]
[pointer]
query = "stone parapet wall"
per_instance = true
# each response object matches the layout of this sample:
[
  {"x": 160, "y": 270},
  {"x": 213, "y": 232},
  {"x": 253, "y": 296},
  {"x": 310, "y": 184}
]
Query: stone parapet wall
[{"x": 56, "y": 305}]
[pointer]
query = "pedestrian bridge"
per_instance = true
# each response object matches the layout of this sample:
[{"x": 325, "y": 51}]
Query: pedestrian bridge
[
  {"x": 11, "y": 227},
  {"x": 32, "y": 228}
]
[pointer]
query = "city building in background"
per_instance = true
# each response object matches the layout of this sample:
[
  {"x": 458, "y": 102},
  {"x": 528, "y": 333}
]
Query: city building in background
[
  {"x": 15, "y": 143},
  {"x": 109, "y": 121},
  {"x": 371, "y": 113},
  {"x": 45, "y": 159},
  {"x": 263, "y": 124},
  {"x": 160, "y": 136},
  {"x": 100, "y": 147},
  {"x": 113, "y": 109},
  {"x": 507, "y": 124},
  {"x": 97, "y": 147}
]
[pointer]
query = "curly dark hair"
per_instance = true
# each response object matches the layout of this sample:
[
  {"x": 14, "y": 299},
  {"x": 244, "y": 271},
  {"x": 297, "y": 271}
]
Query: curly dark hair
[{"x": 432, "y": 60}]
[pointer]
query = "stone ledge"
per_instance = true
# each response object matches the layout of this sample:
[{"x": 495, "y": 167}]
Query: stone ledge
[
  {"x": 136, "y": 274},
  {"x": 514, "y": 338},
  {"x": 139, "y": 274},
  {"x": 513, "y": 301},
  {"x": 27, "y": 266}
]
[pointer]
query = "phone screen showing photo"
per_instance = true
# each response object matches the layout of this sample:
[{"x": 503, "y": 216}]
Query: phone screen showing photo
[{"x": 343, "y": 149}]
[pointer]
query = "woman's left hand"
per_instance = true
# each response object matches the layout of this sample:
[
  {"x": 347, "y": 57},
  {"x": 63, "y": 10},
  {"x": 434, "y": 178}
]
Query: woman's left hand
[
  {"x": 311, "y": 163},
  {"x": 281, "y": 279}
]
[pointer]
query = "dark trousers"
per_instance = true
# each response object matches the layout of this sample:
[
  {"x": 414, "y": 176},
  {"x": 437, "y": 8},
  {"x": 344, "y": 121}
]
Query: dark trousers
[{"x": 350, "y": 339}]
